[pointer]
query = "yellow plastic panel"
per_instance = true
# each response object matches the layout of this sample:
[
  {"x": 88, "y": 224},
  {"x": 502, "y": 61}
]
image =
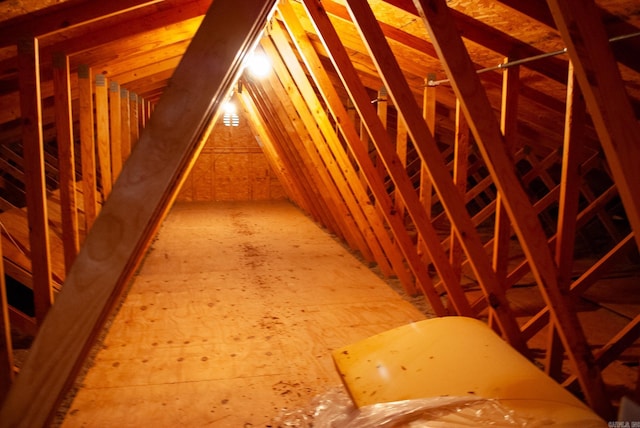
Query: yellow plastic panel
[{"x": 452, "y": 356}]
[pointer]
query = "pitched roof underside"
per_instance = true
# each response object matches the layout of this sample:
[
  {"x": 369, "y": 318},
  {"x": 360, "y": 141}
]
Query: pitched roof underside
[{"x": 421, "y": 133}]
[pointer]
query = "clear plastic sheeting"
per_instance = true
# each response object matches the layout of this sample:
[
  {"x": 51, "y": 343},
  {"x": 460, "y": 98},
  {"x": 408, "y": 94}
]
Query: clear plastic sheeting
[{"x": 334, "y": 409}]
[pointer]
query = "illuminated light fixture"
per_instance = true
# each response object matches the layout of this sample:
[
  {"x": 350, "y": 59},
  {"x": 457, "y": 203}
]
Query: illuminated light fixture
[
  {"x": 258, "y": 65},
  {"x": 230, "y": 117}
]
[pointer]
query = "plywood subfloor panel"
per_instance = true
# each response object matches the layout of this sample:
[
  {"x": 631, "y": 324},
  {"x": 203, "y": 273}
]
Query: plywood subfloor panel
[{"x": 232, "y": 318}]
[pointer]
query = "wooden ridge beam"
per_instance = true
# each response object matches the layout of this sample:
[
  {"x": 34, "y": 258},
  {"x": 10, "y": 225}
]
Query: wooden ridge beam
[
  {"x": 139, "y": 201},
  {"x": 466, "y": 84}
]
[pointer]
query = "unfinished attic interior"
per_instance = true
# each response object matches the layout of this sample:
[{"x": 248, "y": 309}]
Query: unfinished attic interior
[{"x": 166, "y": 261}]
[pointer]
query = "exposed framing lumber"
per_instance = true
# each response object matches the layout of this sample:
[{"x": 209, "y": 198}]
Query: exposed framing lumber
[
  {"x": 115, "y": 129},
  {"x": 87, "y": 146},
  {"x": 581, "y": 284},
  {"x": 140, "y": 199},
  {"x": 330, "y": 149},
  {"x": 103, "y": 141},
  {"x": 66, "y": 158},
  {"x": 386, "y": 151},
  {"x": 568, "y": 209},
  {"x": 597, "y": 72},
  {"x": 125, "y": 125},
  {"x": 440, "y": 177},
  {"x": 331, "y": 190},
  {"x": 466, "y": 84},
  {"x": 370, "y": 173},
  {"x": 614, "y": 347},
  {"x": 134, "y": 119},
  {"x": 335, "y": 147},
  {"x": 462, "y": 148},
  {"x": 429, "y": 95},
  {"x": 509, "y": 128},
  {"x": 36, "y": 191}
]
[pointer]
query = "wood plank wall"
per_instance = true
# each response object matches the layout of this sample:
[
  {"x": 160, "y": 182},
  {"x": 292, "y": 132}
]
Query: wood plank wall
[{"x": 232, "y": 167}]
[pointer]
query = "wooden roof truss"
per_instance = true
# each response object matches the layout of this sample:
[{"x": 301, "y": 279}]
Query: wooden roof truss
[{"x": 387, "y": 125}]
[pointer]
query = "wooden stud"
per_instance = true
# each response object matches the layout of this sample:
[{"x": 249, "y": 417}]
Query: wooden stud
[
  {"x": 134, "y": 119},
  {"x": 466, "y": 84},
  {"x": 66, "y": 158},
  {"x": 568, "y": 208},
  {"x": 115, "y": 129},
  {"x": 382, "y": 108},
  {"x": 509, "y": 128},
  {"x": 139, "y": 201},
  {"x": 36, "y": 191},
  {"x": 426, "y": 186},
  {"x": 125, "y": 125},
  {"x": 460, "y": 165},
  {"x": 103, "y": 141},
  {"x": 87, "y": 146}
]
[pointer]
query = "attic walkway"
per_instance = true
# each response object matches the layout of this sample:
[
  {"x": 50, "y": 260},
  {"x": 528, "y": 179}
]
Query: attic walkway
[{"x": 231, "y": 318}]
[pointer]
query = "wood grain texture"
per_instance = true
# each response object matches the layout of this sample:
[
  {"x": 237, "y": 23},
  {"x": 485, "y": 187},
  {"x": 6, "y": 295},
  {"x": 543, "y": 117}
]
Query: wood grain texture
[
  {"x": 66, "y": 159},
  {"x": 31, "y": 108},
  {"x": 140, "y": 198},
  {"x": 231, "y": 318}
]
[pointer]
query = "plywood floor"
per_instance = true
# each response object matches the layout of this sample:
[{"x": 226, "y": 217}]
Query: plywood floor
[{"x": 231, "y": 319}]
